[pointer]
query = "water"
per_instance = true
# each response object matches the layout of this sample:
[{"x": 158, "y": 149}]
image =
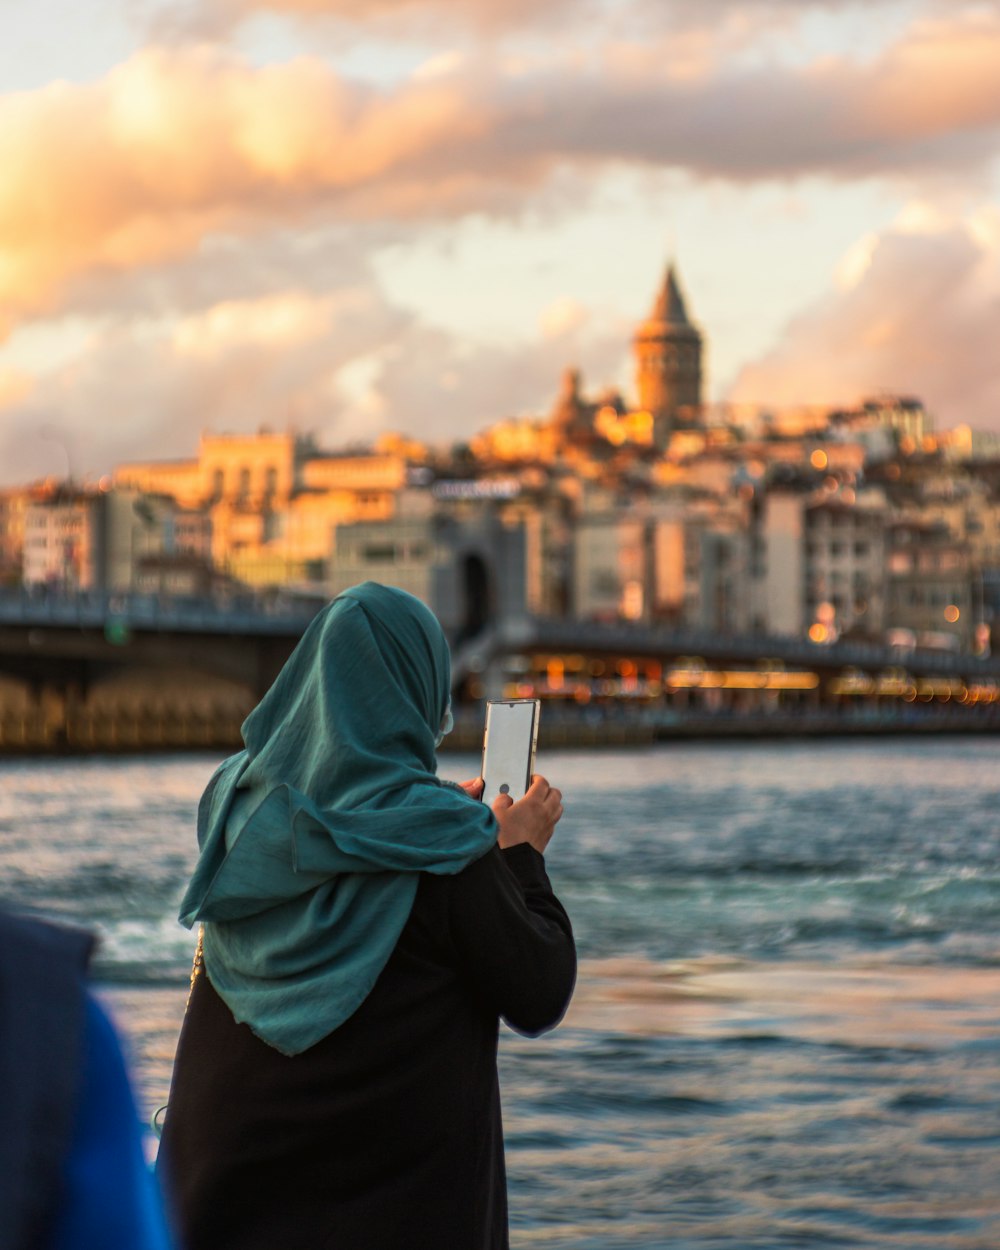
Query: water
[{"x": 787, "y": 1027}]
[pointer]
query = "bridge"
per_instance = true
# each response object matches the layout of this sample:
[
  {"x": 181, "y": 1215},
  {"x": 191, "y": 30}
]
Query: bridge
[
  {"x": 195, "y": 667},
  {"x": 719, "y": 650},
  {"x": 53, "y": 641}
]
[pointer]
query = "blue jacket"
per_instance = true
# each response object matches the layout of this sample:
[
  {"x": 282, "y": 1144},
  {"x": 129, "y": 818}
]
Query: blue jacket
[{"x": 72, "y": 1173}]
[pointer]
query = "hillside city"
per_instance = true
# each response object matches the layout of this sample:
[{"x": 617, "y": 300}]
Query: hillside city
[{"x": 861, "y": 523}]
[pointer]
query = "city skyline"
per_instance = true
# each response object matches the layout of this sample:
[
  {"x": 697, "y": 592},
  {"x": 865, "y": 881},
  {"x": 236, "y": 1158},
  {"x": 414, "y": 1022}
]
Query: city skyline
[{"x": 354, "y": 219}]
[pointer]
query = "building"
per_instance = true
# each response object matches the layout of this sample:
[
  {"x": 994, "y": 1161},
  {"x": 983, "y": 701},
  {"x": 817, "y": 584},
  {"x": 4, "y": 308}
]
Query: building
[
  {"x": 586, "y": 430},
  {"x": 152, "y": 544},
  {"x": 845, "y": 561},
  {"x": 667, "y": 349},
  {"x": 253, "y": 470},
  {"x": 930, "y": 585},
  {"x": 965, "y": 444},
  {"x": 777, "y": 563},
  {"x": 886, "y": 424},
  {"x": 63, "y": 542},
  {"x": 13, "y": 506},
  {"x": 610, "y": 562},
  {"x": 673, "y": 558},
  {"x": 272, "y": 503},
  {"x": 460, "y": 554}
]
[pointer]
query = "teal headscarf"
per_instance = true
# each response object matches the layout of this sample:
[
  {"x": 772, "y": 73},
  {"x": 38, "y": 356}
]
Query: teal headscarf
[{"x": 313, "y": 836}]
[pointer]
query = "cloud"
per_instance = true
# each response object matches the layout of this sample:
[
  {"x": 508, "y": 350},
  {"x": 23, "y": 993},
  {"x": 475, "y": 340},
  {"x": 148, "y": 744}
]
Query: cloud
[
  {"x": 234, "y": 366},
  {"x": 345, "y": 365},
  {"x": 181, "y": 147},
  {"x": 15, "y": 387},
  {"x": 397, "y": 20},
  {"x": 177, "y": 147},
  {"x": 833, "y": 116},
  {"x": 562, "y": 317},
  {"x": 314, "y": 259},
  {"x": 408, "y": 20},
  {"x": 431, "y": 381},
  {"x": 919, "y": 313}
]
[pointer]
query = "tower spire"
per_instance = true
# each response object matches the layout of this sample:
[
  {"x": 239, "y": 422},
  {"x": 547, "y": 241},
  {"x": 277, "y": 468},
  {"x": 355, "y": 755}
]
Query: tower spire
[
  {"x": 669, "y": 307},
  {"x": 667, "y": 348}
]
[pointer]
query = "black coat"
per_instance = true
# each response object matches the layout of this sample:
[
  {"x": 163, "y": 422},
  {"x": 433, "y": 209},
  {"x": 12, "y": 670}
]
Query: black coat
[{"x": 386, "y": 1135}]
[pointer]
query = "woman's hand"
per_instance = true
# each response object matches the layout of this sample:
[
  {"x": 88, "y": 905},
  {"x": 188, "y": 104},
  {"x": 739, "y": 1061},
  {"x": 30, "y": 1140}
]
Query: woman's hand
[
  {"x": 531, "y": 819},
  {"x": 473, "y": 788}
]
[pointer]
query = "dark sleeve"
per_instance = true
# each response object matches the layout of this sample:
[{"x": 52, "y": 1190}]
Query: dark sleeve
[{"x": 514, "y": 939}]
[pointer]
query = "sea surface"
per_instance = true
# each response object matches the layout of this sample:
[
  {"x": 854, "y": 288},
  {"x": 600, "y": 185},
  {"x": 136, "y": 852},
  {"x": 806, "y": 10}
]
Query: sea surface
[{"x": 786, "y": 1031}]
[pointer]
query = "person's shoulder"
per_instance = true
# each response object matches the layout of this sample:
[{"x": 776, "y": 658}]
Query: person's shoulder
[{"x": 26, "y": 941}]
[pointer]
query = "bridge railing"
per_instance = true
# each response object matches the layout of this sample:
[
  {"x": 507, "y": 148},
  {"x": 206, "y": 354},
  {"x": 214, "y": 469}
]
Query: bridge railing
[
  {"x": 248, "y": 614},
  {"x": 237, "y": 614},
  {"x": 544, "y": 632}
]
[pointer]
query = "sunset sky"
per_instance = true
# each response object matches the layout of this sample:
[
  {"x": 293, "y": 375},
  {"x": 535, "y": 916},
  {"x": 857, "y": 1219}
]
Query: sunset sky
[{"x": 359, "y": 215}]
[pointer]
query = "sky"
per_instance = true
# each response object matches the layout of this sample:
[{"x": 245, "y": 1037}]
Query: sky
[{"x": 355, "y": 216}]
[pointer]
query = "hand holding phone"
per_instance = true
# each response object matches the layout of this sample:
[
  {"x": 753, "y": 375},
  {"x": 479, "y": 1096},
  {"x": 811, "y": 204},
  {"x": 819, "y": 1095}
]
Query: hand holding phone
[
  {"x": 509, "y": 747},
  {"x": 531, "y": 819},
  {"x": 531, "y": 808}
]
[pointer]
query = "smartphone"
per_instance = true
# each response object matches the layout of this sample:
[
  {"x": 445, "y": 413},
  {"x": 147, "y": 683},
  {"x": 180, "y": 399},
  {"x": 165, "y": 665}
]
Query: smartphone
[{"x": 509, "y": 747}]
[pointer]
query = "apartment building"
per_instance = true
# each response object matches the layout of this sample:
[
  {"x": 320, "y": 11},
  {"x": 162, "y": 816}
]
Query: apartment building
[
  {"x": 63, "y": 543},
  {"x": 844, "y": 567},
  {"x": 930, "y": 584},
  {"x": 13, "y": 505}
]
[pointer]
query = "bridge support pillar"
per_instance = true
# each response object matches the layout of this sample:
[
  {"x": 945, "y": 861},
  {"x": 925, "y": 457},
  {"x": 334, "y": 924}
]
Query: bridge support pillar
[{"x": 52, "y": 702}]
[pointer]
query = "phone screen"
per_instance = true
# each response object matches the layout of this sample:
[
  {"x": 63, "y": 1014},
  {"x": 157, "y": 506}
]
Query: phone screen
[{"x": 509, "y": 747}]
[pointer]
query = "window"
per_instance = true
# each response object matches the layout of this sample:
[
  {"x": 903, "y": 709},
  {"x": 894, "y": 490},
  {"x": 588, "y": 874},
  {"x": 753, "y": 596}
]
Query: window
[
  {"x": 415, "y": 552},
  {"x": 380, "y": 553},
  {"x": 603, "y": 583}
]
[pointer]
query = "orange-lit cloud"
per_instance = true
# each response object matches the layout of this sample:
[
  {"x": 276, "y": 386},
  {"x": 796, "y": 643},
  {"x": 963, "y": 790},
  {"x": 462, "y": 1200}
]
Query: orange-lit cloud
[
  {"x": 918, "y": 312},
  {"x": 927, "y": 104},
  {"x": 396, "y": 19},
  {"x": 15, "y": 387},
  {"x": 178, "y": 147},
  {"x": 344, "y": 365},
  {"x": 563, "y": 317},
  {"x": 405, "y": 19},
  {"x": 233, "y": 366},
  {"x": 429, "y": 380}
]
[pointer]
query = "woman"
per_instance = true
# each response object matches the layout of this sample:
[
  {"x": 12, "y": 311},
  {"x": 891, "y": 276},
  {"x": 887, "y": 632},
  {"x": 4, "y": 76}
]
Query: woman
[{"x": 365, "y": 926}]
